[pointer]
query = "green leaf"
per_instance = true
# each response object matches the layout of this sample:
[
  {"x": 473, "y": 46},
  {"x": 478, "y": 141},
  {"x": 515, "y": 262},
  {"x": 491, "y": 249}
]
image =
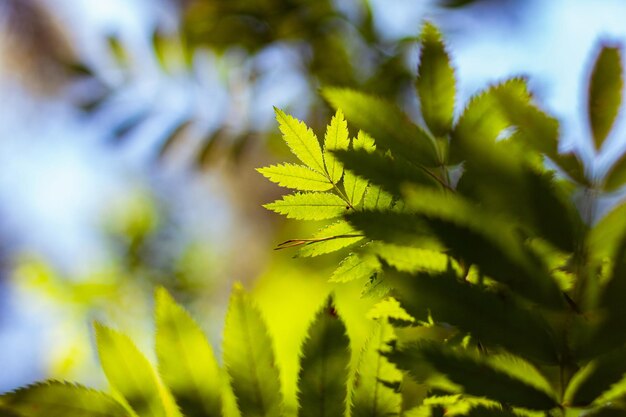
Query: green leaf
[
  {"x": 482, "y": 120},
  {"x": 377, "y": 198},
  {"x": 605, "y": 236},
  {"x": 393, "y": 227},
  {"x": 390, "y": 309},
  {"x": 616, "y": 177},
  {"x": 435, "y": 84},
  {"x": 301, "y": 140},
  {"x": 595, "y": 378},
  {"x": 131, "y": 375},
  {"x": 376, "y": 392},
  {"x": 332, "y": 238},
  {"x": 536, "y": 129},
  {"x": 337, "y": 137},
  {"x": 297, "y": 177},
  {"x": 410, "y": 259},
  {"x": 353, "y": 184},
  {"x": 249, "y": 359},
  {"x": 389, "y": 126},
  {"x": 186, "y": 361},
  {"x": 476, "y": 376},
  {"x": 484, "y": 239},
  {"x": 488, "y": 316},
  {"x": 309, "y": 206},
  {"x": 382, "y": 170},
  {"x": 60, "y": 399},
  {"x": 323, "y": 376},
  {"x": 356, "y": 266},
  {"x": 605, "y": 93}
]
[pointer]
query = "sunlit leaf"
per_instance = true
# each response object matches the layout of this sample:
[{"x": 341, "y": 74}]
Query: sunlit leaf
[
  {"x": 309, "y": 206},
  {"x": 353, "y": 184},
  {"x": 60, "y": 399},
  {"x": 389, "y": 126},
  {"x": 337, "y": 138},
  {"x": 249, "y": 359},
  {"x": 297, "y": 177},
  {"x": 186, "y": 361},
  {"x": 301, "y": 140},
  {"x": 332, "y": 238},
  {"x": 131, "y": 375}
]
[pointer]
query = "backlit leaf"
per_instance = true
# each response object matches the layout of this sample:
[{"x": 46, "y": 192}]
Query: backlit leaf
[
  {"x": 435, "y": 83},
  {"x": 605, "y": 93},
  {"x": 330, "y": 239},
  {"x": 60, "y": 399},
  {"x": 389, "y": 126},
  {"x": 131, "y": 375},
  {"x": 249, "y": 359},
  {"x": 301, "y": 140},
  {"x": 336, "y": 139},
  {"x": 323, "y": 375},
  {"x": 353, "y": 184},
  {"x": 186, "y": 361},
  {"x": 309, "y": 206},
  {"x": 297, "y": 177}
]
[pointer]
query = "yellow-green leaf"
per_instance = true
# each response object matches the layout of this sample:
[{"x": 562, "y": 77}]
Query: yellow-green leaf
[
  {"x": 301, "y": 140},
  {"x": 60, "y": 399},
  {"x": 336, "y": 138},
  {"x": 330, "y": 239},
  {"x": 186, "y": 361},
  {"x": 309, "y": 206},
  {"x": 131, "y": 375},
  {"x": 297, "y": 177},
  {"x": 353, "y": 184}
]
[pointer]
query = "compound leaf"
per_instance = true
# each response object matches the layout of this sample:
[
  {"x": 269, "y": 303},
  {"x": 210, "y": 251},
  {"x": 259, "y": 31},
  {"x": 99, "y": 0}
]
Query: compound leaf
[
  {"x": 353, "y": 184},
  {"x": 249, "y": 359},
  {"x": 186, "y": 361},
  {"x": 389, "y": 126},
  {"x": 330, "y": 239}
]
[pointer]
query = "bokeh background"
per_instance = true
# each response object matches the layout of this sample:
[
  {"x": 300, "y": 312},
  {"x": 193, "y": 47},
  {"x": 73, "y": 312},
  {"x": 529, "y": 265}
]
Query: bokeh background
[{"x": 130, "y": 130}]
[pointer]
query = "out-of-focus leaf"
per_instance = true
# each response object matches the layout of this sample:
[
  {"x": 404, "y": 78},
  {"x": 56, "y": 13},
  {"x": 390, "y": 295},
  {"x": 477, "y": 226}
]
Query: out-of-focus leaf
[
  {"x": 132, "y": 376},
  {"x": 249, "y": 359},
  {"x": 59, "y": 399},
  {"x": 435, "y": 83},
  {"x": 186, "y": 361},
  {"x": 477, "y": 377},
  {"x": 323, "y": 376},
  {"x": 353, "y": 184},
  {"x": 616, "y": 177},
  {"x": 389, "y": 126},
  {"x": 605, "y": 93},
  {"x": 490, "y": 317}
]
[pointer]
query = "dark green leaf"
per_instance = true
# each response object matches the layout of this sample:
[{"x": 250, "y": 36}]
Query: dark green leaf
[
  {"x": 59, "y": 399},
  {"x": 323, "y": 376},
  {"x": 476, "y": 376},
  {"x": 616, "y": 177},
  {"x": 605, "y": 93},
  {"x": 389, "y": 126},
  {"x": 492, "y": 318},
  {"x": 596, "y": 377},
  {"x": 435, "y": 83},
  {"x": 249, "y": 359}
]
